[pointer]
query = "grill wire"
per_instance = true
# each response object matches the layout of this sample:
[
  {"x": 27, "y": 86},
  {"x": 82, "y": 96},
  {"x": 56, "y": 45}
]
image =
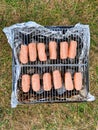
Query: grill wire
[{"x": 40, "y": 67}]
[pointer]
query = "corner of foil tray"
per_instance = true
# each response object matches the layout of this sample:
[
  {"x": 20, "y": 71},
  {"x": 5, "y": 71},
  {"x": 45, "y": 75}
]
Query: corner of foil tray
[
  {"x": 14, "y": 101},
  {"x": 90, "y": 97}
]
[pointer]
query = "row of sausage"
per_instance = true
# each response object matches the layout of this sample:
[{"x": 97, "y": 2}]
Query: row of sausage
[
  {"x": 29, "y": 53},
  {"x": 48, "y": 79}
]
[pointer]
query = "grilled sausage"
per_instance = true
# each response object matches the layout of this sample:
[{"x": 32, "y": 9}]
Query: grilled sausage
[
  {"x": 25, "y": 82},
  {"x": 78, "y": 80},
  {"x": 23, "y": 55},
  {"x": 32, "y": 52},
  {"x": 36, "y": 82},
  {"x": 72, "y": 50},
  {"x": 57, "y": 80},
  {"x": 53, "y": 50},
  {"x": 68, "y": 81},
  {"x": 47, "y": 84},
  {"x": 63, "y": 50},
  {"x": 41, "y": 52}
]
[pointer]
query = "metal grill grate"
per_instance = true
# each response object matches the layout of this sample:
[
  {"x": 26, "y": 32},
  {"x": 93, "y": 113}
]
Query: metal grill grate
[{"x": 28, "y": 35}]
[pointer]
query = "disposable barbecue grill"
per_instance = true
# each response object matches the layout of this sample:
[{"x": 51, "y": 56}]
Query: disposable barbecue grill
[{"x": 80, "y": 63}]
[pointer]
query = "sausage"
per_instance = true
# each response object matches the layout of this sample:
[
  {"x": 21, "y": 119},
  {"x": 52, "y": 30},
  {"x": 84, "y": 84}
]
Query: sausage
[
  {"x": 23, "y": 55},
  {"x": 47, "y": 84},
  {"x": 32, "y": 52},
  {"x": 72, "y": 49},
  {"x": 63, "y": 50},
  {"x": 36, "y": 82},
  {"x": 53, "y": 50},
  {"x": 68, "y": 81},
  {"x": 41, "y": 52},
  {"x": 78, "y": 80},
  {"x": 25, "y": 82},
  {"x": 57, "y": 80}
]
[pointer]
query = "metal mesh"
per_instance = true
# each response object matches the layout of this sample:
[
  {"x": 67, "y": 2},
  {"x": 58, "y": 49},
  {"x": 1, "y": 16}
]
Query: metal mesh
[{"x": 28, "y": 35}]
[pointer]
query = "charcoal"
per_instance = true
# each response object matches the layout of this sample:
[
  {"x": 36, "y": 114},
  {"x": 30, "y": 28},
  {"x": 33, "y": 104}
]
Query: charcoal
[{"x": 61, "y": 90}]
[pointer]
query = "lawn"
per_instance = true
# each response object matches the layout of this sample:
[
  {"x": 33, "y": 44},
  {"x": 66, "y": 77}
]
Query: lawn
[{"x": 77, "y": 116}]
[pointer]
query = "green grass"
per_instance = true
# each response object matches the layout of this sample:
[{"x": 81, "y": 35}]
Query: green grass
[{"x": 82, "y": 116}]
